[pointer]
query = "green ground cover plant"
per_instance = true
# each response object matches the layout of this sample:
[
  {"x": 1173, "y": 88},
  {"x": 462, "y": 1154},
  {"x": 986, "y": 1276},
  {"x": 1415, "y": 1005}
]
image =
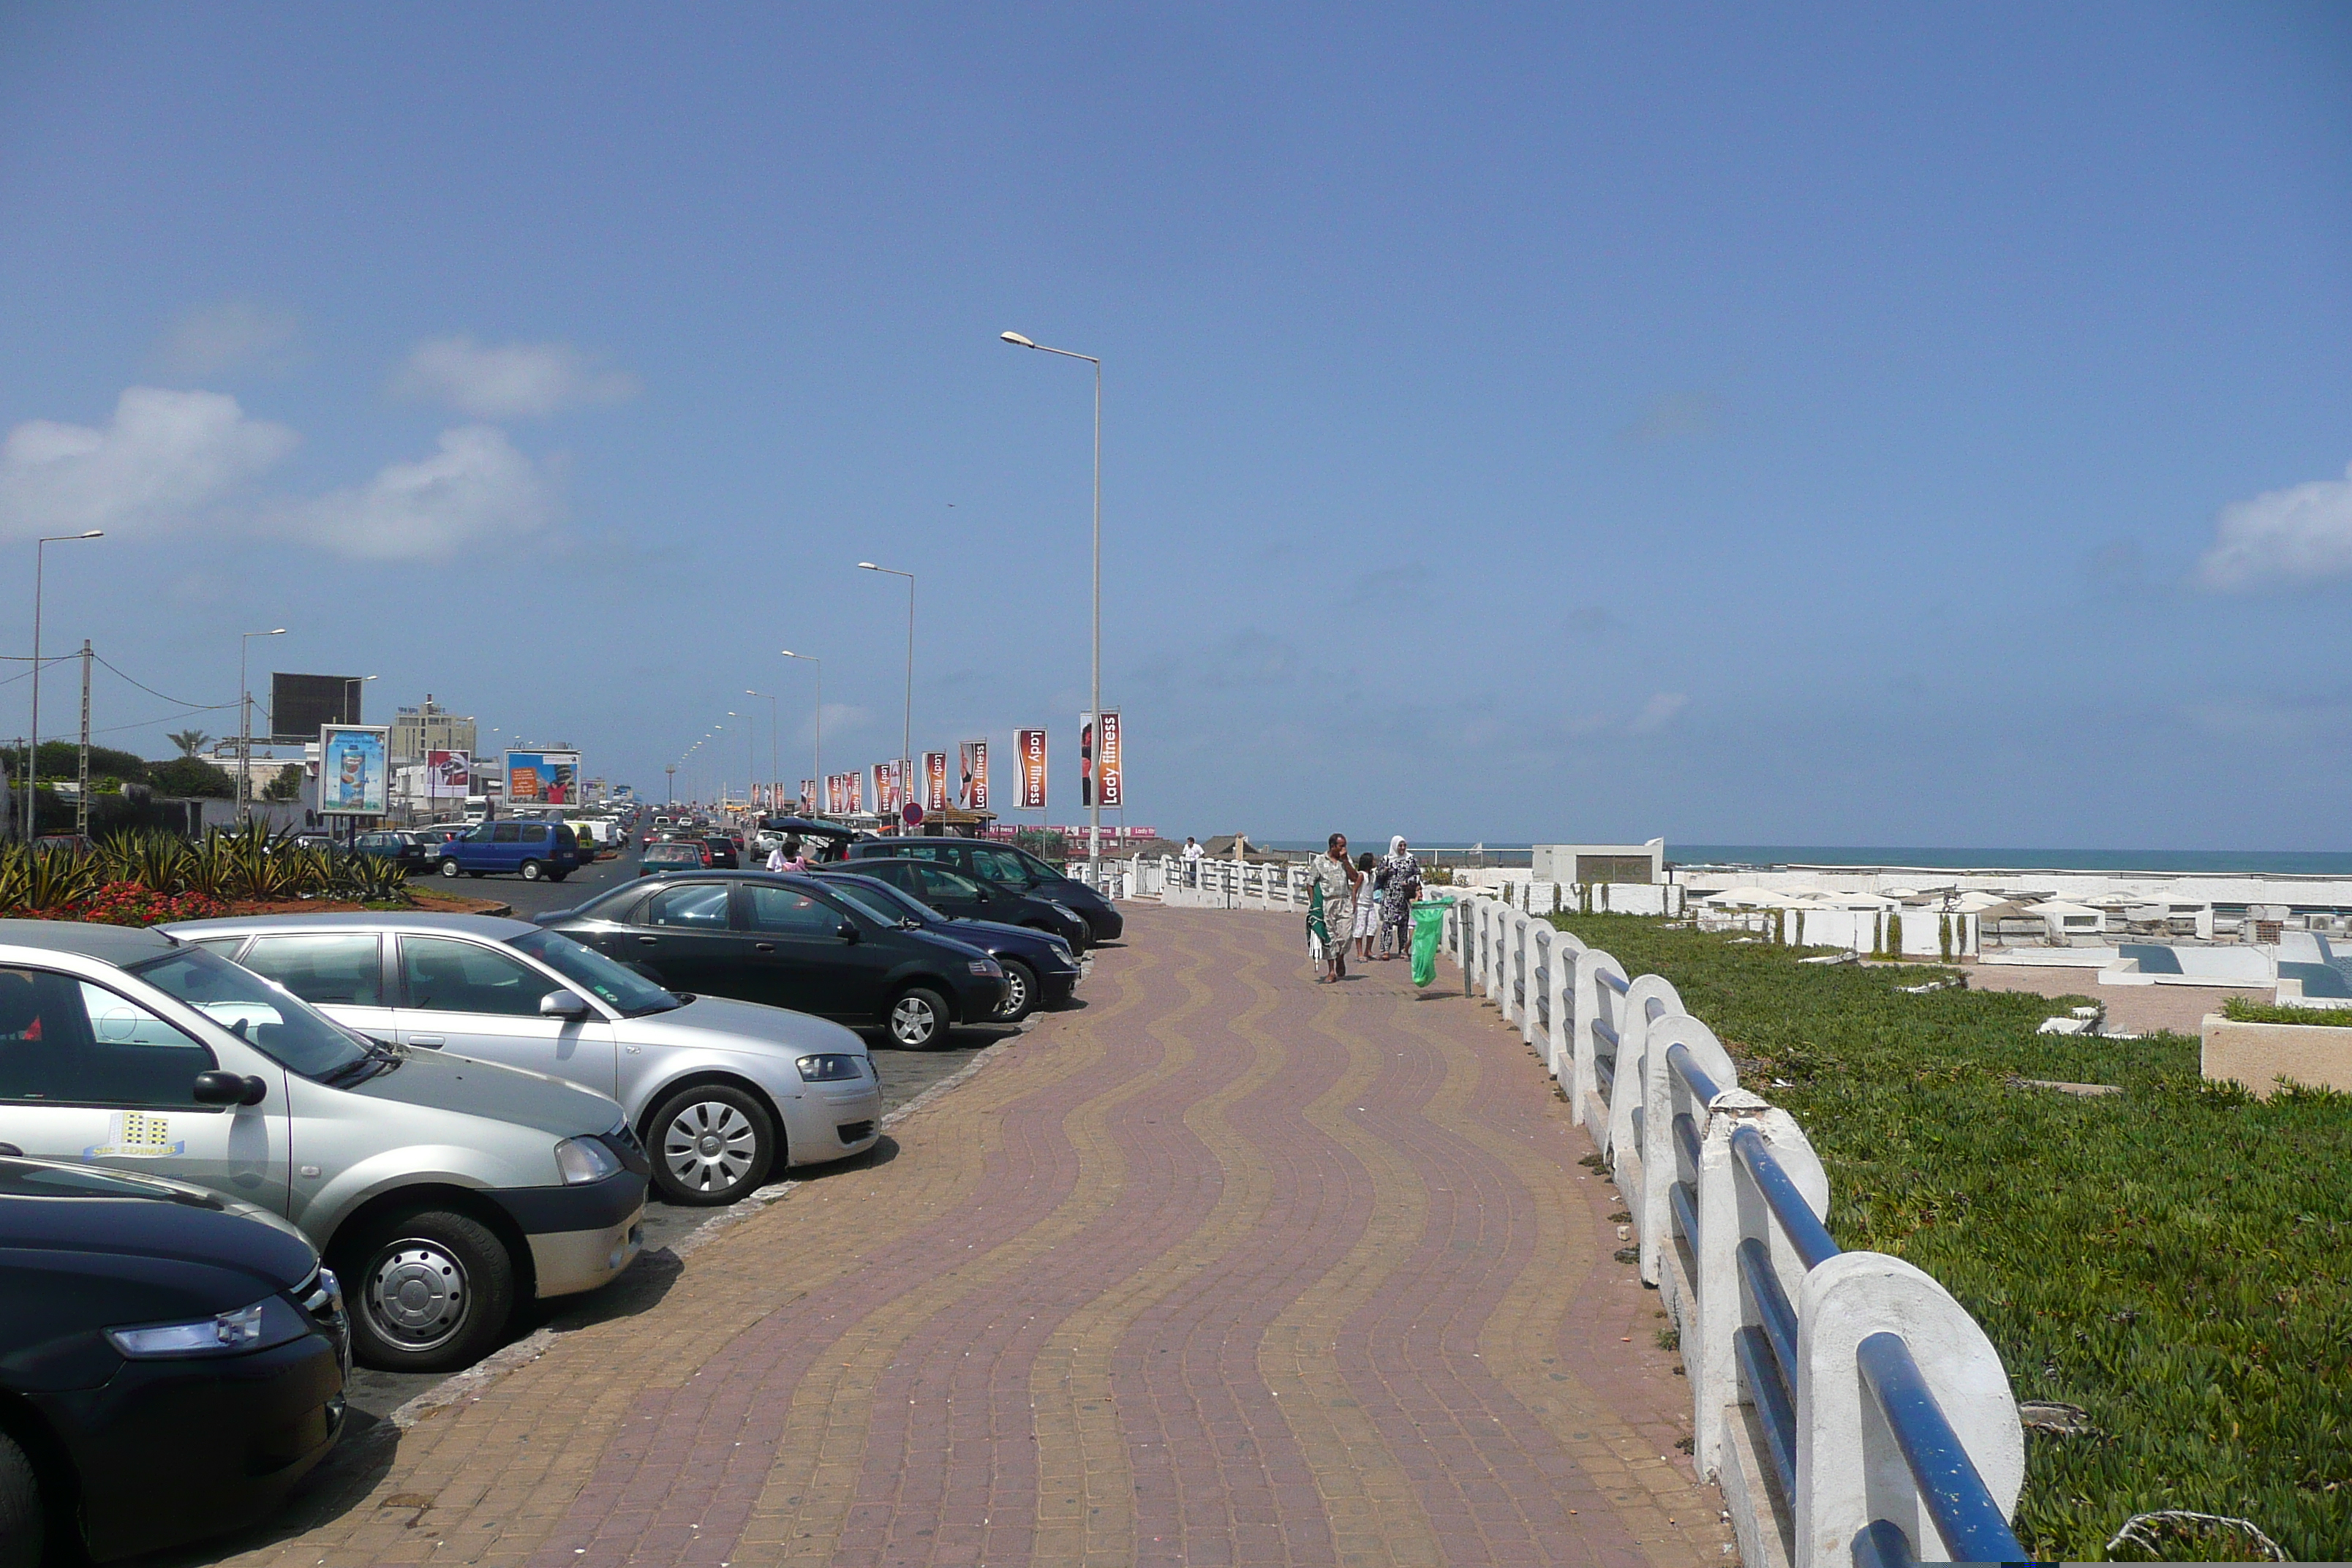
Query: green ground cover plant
[
  {"x": 2246, "y": 1010},
  {"x": 2176, "y": 1259}
]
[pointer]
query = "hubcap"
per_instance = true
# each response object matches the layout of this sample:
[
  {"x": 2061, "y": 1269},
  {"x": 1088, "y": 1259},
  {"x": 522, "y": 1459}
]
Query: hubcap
[
  {"x": 709, "y": 1146},
  {"x": 416, "y": 1293},
  {"x": 531, "y": 873},
  {"x": 1016, "y": 993},
  {"x": 910, "y": 1021}
]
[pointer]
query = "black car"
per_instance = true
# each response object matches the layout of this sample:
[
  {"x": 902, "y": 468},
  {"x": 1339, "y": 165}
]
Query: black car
[
  {"x": 952, "y": 893},
  {"x": 1040, "y": 970},
  {"x": 390, "y": 844},
  {"x": 792, "y": 942},
  {"x": 826, "y": 841},
  {"x": 1002, "y": 865},
  {"x": 171, "y": 1362},
  {"x": 723, "y": 854}
]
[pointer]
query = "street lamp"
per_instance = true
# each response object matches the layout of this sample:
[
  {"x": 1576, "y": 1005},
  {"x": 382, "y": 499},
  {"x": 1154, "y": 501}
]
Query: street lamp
[
  {"x": 776, "y": 767},
  {"x": 817, "y": 726},
  {"x": 907, "y": 735},
  {"x": 33, "y": 752},
  {"x": 245, "y": 722},
  {"x": 1094, "y": 802}
]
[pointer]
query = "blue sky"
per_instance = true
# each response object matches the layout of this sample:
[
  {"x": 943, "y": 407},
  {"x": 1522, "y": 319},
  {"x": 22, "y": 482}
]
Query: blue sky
[{"x": 1832, "y": 425}]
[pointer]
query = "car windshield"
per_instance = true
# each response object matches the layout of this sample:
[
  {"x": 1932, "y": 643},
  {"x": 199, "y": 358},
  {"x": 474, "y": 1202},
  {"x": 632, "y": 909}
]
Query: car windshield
[
  {"x": 616, "y": 986},
  {"x": 263, "y": 1013},
  {"x": 1038, "y": 868},
  {"x": 884, "y": 902}
]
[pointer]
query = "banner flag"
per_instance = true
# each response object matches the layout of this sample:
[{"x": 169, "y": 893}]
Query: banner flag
[
  {"x": 1029, "y": 747},
  {"x": 808, "y": 797},
  {"x": 856, "y": 785},
  {"x": 1085, "y": 759},
  {"x": 1110, "y": 768},
  {"x": 935, "y": 781},
  {"x": 974, "y": 792}
]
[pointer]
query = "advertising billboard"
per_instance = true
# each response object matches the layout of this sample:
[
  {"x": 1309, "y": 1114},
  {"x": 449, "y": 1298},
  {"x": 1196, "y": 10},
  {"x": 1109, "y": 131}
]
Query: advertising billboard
[
  {"x": 856, "y": 785},
  {"x": 935, "y": 781},
  {"x": 974, "y": 793},
  {"x": 1110, "y": 766},
  {"x": 302, "y": 705},
  {"x": 354, "y": 769},
  {"x": 1029, "y": 747},
  {"x": 449, "y": 776},
  {"x": 543, "y": 778}
]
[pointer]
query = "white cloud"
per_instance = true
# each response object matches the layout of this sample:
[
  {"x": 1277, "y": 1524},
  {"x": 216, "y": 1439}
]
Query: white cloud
[
  {"x": 235, "y": 333},
  {"x": 510, "y": 381},
  {"x": 2281, "y": 538},
  {"x": 1659, "y": 712},
  {"x": 163, "y": 457},
  {"x": 475, "y": 489}
]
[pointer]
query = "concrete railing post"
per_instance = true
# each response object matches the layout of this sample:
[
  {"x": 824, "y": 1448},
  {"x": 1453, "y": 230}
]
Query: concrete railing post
[
  {"x": 1731, "y": 1211},
  {"x": 1536, "y": 962},
  {"x": 1560, "y": 1044},
  {"x": 1850, "y": 1470},
  {"x": 1663, "y": 1095},
  {"x": 1596, "y": 1002},
  {"x": 1633, "y": 1035}
]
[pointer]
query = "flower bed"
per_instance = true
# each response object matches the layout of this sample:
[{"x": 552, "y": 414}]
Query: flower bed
[{"x": 128, "y": 904}]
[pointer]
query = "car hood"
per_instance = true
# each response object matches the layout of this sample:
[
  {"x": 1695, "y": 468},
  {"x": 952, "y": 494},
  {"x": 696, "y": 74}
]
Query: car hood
[
  {"x": 723, "y": 1024},
  {"x": 992, "y": 930},
  {"x": 493, "y": 1092}
]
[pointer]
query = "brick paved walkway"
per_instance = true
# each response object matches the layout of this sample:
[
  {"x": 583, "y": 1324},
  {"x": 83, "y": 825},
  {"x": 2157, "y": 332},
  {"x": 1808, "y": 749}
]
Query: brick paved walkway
[{"x": 1223, "y": 1268}]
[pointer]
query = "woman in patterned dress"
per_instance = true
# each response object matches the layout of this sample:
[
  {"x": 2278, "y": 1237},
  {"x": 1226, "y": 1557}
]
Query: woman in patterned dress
[{"x": 1400, "y": 880}]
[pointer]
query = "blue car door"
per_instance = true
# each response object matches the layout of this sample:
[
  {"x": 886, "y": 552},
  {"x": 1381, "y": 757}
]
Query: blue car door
[{"x": 505, "y": 847}]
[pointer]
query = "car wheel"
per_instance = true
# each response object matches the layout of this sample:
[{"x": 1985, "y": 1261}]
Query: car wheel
[
  {"x": 532, "y": 871},
  {"x": 22, "y": 1522},
  {"x": 477, "y": 873},
  {"x": 1020, "y": 991},
  {"x": 918, "y": 1018},
  {"x": 556, "y": 876},
  {"x": 431, "y": 1292},
  {"x": 711, "y": 1145},
  {"x": 449, "y": 867}
]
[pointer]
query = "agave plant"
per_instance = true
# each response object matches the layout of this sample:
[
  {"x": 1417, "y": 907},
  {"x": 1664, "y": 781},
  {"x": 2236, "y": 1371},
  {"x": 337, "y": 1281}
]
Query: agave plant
[{"x": 55, "y": 878}]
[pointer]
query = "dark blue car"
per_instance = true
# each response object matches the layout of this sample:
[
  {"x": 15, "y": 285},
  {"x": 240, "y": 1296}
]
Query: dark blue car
[{"x": 511, "y": 846}]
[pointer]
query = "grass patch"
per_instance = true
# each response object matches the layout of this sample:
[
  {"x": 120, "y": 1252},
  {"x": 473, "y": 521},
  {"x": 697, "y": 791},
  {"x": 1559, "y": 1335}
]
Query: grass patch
[
  {"x": 2246, "y": 1010},
  {"x": 2176, "y": 1259}
]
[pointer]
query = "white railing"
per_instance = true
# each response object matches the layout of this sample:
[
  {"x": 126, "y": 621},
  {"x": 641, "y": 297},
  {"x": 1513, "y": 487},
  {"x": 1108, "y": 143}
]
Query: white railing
[{"x": 1851, "y": 1409}]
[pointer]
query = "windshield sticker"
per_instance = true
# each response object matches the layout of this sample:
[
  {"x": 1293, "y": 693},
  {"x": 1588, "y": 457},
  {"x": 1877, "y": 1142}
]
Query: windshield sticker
[{"x": 135, "y": 1135}]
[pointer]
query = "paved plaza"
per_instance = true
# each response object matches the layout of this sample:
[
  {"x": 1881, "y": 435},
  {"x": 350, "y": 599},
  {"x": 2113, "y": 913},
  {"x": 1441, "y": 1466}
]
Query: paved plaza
[{"x": 1222, "y": 1267}]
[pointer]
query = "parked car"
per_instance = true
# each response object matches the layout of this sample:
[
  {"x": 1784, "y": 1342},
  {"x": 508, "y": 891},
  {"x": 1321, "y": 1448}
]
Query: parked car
[
  {"x": 1001, "y": 865},
  {"x": 722, "y": 851},
  {"x": 950, "y": 892},
  {"x": 825, "y": 840},
  {"x": 685, "y": 854},
  {"x": 316, "y": 838},
  {"x": 721, "y": 1093},
  {"x": 171, "y": 1362},
  {"x": 443, "y": 1191},
  {"x": 392, "y": 843},
  {"x": 1040, "y": 969},
  {"x": 533, "y": 849},
  {"x": 792, "y": 942},
  {"x": 430, "y": 840}
]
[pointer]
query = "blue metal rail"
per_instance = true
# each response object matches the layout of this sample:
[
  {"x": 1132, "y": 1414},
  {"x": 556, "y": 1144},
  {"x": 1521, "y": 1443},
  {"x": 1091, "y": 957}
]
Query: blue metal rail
[
  {"x": 1616, "y": 983},
  {"x": 1957, "y": 1500}
]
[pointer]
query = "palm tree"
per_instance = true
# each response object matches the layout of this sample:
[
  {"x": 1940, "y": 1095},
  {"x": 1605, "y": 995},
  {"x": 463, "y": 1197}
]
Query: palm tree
[{"x": 190, "y": 742}]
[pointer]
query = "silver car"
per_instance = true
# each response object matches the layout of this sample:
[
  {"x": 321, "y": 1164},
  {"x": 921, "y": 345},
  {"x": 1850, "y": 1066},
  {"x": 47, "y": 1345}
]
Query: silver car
[
  {"x": 442, "y": 1191},
  {"x": 722, "y": 1093}
]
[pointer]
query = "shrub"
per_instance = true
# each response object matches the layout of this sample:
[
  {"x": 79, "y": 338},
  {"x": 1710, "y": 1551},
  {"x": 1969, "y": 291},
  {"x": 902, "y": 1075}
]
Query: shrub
[
  {"x": 2176, "y": 1259},
  {"x": 2246, "y": 1010}
]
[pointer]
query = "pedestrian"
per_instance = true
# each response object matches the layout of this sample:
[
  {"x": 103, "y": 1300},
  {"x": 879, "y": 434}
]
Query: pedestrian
[
  {"x": 796, "y": 853},
  {"x": 1333, "y": 881},
  {"x": 1399, "y": 885},
  {"x": 1367, "y": 905},
  {"x": 1193, "y": 854},
  {"x": 777, "y": 859}
]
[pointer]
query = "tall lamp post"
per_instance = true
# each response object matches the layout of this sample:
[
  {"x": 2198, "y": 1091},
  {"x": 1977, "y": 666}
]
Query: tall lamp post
[
  {"x": 906, "y": 736},
  {"x": 776, "y": 767},
  {"x": 245, "y": 722},
  {"x": 1093, "y": 800},
  {"x": 817, "y": 726},
  {"x": 33, "y": 751}
]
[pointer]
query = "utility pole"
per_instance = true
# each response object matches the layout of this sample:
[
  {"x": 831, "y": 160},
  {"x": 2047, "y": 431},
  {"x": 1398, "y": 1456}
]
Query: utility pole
[{"x": 81, "y": 801}]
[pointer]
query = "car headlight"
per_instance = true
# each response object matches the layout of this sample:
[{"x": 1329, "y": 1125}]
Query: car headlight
[
  {"x": 272, "y": 1320},
  {"x": 830, "y": 1067},
  {"x": 985, "y": 966},
  {"x": 583, "y": 1159}
]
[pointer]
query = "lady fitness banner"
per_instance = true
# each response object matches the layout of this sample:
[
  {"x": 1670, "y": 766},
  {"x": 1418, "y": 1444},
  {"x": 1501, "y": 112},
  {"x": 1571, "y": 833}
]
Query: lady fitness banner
[
  {"x": 1029, "y": 745},
  {"x": 935, "y": 781},
  {"x": 974, "y": 793},
  {"x": 1108, "y": 766}
]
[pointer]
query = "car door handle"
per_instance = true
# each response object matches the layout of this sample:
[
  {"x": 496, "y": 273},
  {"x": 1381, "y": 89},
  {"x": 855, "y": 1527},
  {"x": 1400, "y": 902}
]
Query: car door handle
[
  {"x": 649, "y": 941},
  {"x": 431, "y": 1042},
  {"x": 763, "y": 947}
]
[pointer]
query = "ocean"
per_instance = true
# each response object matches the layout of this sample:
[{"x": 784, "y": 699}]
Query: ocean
[{"x": 2210, "y": 862}]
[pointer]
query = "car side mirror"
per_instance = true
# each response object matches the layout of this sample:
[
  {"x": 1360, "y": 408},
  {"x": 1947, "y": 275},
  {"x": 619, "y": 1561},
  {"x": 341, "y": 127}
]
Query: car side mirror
[
  {"x": 219, "y": 1088},
  {"x": 846, "y": 932},
  {"x": 563, "y": 1005}
]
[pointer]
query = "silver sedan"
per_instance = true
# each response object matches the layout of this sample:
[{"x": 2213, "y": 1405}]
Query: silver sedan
[{"x": 723, "y": 1093}]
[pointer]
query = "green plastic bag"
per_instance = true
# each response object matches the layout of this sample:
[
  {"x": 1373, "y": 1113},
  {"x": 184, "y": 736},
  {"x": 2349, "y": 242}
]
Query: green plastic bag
[{"x": 1428, "y": 931}]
